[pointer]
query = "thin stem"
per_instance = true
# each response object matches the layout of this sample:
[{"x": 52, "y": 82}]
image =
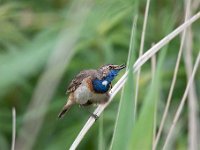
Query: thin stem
[
  {"x": 172, "y": 86},
  {"x": 13, "y": 128},
  {"x": 140, "y": 61},
  {"x": 153, "y": 66},
  {"x": 193, "y": 117},
  {"x": 164, "y": 41},
  {"x": 140, "y": 53},
  {"x": 180, "y": 108}
]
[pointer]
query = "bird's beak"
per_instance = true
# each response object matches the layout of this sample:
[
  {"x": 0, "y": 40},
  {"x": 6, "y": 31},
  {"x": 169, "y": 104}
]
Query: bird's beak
[{"x": 119, "y": 67}]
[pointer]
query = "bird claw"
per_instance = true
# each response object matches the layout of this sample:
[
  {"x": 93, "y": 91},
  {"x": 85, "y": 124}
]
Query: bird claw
[{"x": 95, "y": 116}]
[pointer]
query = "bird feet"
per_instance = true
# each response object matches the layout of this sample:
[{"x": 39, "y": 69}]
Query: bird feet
[
  {"x": 95, "y": 116},
  {"x": 92, "y": 115}
]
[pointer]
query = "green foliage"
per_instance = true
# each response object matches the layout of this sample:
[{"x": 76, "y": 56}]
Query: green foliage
[
  {"x": 125, "y": 117},
  {"x": 144, "y": 126},
  {"x": 30, "y": 32}
]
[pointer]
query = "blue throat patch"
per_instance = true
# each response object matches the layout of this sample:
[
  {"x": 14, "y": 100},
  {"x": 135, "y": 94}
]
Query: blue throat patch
[{"x": 99, "y": 87}]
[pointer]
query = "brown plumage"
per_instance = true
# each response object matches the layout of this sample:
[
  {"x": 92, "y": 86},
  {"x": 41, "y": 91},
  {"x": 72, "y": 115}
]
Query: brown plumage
[
  {"x": 81, "y": 89},
  {"x": 75, "y": 83},
  {"x": 66, "y": 107},
  {"x": 79, "y": 78}
]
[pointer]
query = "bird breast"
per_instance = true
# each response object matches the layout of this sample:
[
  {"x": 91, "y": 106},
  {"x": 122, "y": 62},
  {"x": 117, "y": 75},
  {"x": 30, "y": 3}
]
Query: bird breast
[{"x": 85, "y": 92}]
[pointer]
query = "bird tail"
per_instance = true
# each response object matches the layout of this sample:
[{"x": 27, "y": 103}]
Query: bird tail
[{"x": 65, "y": 108}]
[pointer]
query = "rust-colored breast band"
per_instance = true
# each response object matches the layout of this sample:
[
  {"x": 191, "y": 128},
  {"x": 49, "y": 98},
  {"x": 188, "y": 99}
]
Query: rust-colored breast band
[{"x": 89, "y": 84}]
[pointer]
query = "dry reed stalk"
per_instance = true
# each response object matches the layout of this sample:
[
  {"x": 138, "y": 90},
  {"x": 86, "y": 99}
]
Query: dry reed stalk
[
  {"x": 181, "y": 105},
  {"x": 169, "y": 98},
  {"x": 193, "y": 118},
  {"x": 140, "y": 53},
  {"x": 140, "y": 61},
  {"x": 13, "y": 128}
]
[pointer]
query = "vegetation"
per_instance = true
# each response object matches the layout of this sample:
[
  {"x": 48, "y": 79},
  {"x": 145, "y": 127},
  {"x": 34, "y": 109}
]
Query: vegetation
[{"x": 44, "y": 44}]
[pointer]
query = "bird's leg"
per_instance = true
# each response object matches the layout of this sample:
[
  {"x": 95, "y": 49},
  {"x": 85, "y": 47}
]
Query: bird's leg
[
  {"x": 87, "y": 104},
  {"x": 110, "y": 86},
  {"x": 105, "y": 99}
]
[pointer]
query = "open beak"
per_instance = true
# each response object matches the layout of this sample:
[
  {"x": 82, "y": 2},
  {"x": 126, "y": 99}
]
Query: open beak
[{"x": 119, "y": 67}]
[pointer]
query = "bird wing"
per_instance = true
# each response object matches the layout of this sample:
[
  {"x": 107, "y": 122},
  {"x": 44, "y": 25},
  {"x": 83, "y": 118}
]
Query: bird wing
[{"x": 79, "y": 78}]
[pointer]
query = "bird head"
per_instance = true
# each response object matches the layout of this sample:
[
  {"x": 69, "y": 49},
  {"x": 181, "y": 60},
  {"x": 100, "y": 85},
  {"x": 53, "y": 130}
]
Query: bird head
[
  {"x": 111, "y": 70},
  {"x": 108, "y": 73}
]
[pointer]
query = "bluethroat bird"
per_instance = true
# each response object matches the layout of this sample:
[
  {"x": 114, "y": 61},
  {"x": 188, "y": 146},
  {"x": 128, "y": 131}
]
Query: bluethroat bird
[{"x": 91, "y": 87}]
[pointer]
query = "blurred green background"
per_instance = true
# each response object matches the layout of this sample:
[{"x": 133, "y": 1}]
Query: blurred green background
[{"x": 44, "y": 44}]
